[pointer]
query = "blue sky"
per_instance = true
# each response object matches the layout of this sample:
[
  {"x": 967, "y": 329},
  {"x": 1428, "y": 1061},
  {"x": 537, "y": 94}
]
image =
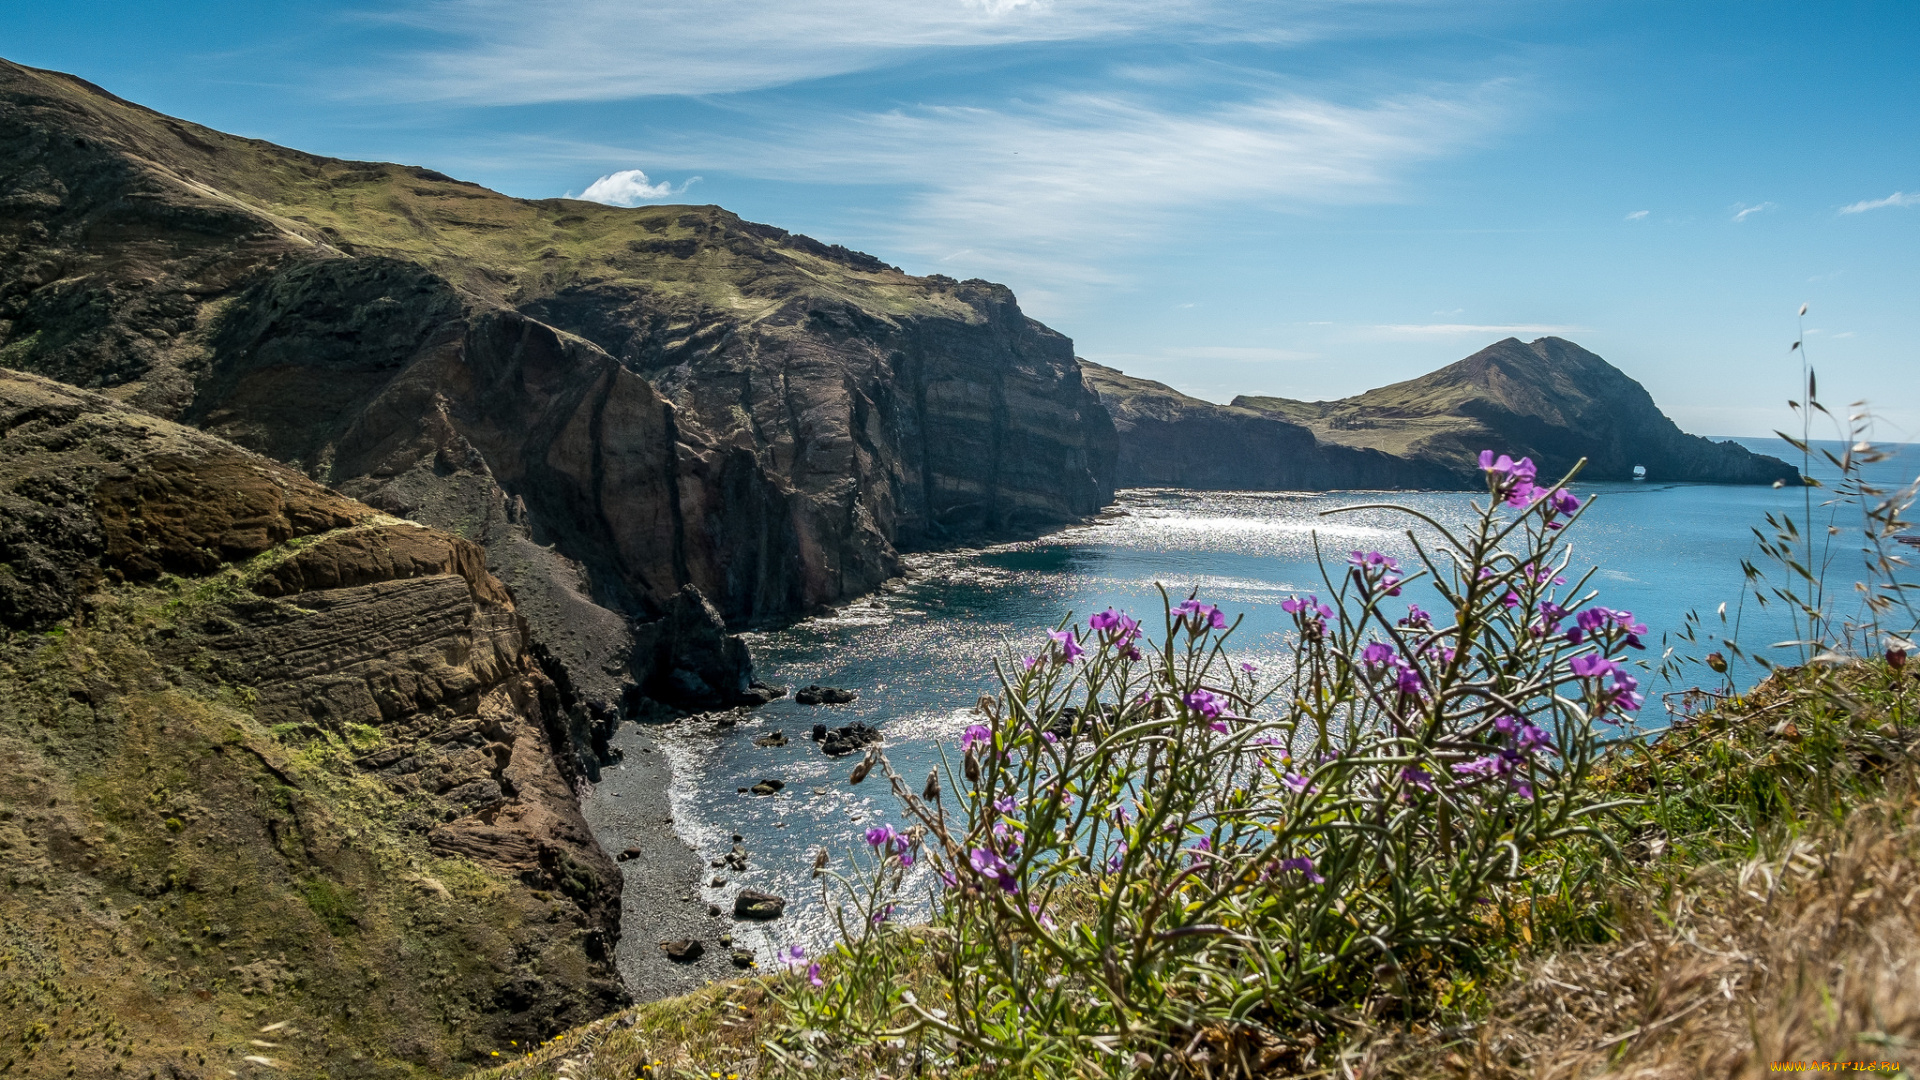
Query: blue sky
[{"x": 1298, "y": 198}]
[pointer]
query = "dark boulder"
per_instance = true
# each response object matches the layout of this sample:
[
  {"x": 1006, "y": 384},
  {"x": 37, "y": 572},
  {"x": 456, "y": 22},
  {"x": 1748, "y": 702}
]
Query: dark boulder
[
  {"x": 848, "y": 739},
  {"x": 767, "y": 787},
  {"x": 683, "y": 950},
  {"x": 754, "y": 904},
  {"x": 824, "y": 695}
]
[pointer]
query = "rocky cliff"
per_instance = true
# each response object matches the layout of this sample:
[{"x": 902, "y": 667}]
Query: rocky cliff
[
  {"x": 615, "y": 403},
  {"x": 1547, "y": 399},
  {"x": 1167, "y": 439},
  {"x": 279, "y": 775},
  {"x": 1550, "y": 400}
]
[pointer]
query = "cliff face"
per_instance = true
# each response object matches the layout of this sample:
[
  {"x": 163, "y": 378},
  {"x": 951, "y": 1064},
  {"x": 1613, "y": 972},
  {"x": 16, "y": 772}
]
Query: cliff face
[
  {"x": 1168, "y": 439},
  {"x": 614, "y": 403},
  {"x": 269, "y": 755},
  {"x": 1548, "y": 399}
]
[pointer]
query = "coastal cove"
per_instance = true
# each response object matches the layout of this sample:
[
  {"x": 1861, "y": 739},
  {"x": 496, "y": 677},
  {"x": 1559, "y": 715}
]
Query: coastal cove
[{"x": 922, "y": 650}]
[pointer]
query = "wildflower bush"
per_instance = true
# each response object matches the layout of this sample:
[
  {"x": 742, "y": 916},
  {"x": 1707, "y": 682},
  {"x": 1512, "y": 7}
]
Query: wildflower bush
[{"x": 1152, "y": 854}]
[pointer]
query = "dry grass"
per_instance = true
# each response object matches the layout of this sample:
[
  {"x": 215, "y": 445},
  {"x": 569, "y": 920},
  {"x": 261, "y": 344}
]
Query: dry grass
[
  {"x": 1809, "y": 954},
  {"x": 712, "y": 1032}
]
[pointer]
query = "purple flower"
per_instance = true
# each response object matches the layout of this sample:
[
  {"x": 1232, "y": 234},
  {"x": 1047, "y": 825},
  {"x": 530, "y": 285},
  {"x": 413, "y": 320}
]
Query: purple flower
[
  {"x": 1250, "y": 668},
  {"x": 1415, "y": 776},
  {"x": 1408, "y": 681},
  {"x": 882, "y": 915},
  {"x": 1298, "y": 782},
  {"x": 1029, "y": 662},
  {"x": 1069, "y": 649},
  {"x": 1200, "y": 616},
  {"x": 881, "y": 836},
  {"x": 792, "y": 955},
  {"x": 1417, "y": 619},
  {"x": 1041, "y": 917},
  {"x": 1006, "y": 805},
  {"x": 1308, "y": 613},
  {"x": 976, "y": 735},
  {"x": 989, "y": 865},
  {"x": 1592, "y": 666},
  {"x": 1377, "y": 653},
  {"x": 813, "y": 976},
  {"x": 1362, "y": 560},
  {"x": 1302, "y": 865},
  {"x": 1205, "y": 703}
]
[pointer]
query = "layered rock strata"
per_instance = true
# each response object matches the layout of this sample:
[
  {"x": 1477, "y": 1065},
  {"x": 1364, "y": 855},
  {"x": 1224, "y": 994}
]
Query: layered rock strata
[
  {"x": 616, "y": 404},
  {"x": 268, "y": 754}
]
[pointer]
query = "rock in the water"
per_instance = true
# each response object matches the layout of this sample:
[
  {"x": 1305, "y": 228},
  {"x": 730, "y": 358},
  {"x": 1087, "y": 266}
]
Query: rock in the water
[
  {"x": 717, "y": 882},
  {"x": 759, "y": 693},
  {"x": 771, "y": 738},
  {"x": 824, "y": 695},
  {"x": 754, "y": 904},
  {"x": 846, "y": 740},
  {"x": 683, "y": 950},
  {"x": 819, "y": 732},
  {"x": 767, "y": 787}
]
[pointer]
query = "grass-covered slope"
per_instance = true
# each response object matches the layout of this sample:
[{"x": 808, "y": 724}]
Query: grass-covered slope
[
  {"x": 1548, "y": 399},
  {"x": 1168, "y": 439},
  {"x": 280, "y": 788}
]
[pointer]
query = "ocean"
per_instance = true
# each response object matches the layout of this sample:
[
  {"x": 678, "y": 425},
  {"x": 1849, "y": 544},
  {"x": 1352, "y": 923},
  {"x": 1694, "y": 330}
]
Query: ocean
[{"x": 922, "y": 651}]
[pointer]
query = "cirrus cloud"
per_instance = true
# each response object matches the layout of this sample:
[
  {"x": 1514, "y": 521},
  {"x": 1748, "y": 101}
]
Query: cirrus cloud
[{"x": 1898, "y": 198}]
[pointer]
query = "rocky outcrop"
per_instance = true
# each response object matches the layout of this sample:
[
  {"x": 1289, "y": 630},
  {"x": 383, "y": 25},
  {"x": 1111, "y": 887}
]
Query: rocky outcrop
[
  {"x": 265, "y": 746},
  {"x": 616, "y": 404},
  {"x": 1547, "y": 399},
  {"x": 1550, "y": 400},
  {"x": 1167, "y": 439}
]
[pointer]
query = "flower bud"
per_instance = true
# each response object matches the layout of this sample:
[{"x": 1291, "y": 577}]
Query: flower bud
[
  {"x": 1717, "y": 662},
  {"x": 972, "y": 767},
  {"x": 1896, "y": 659},
  {"x": 931, "y": 792},
  {"x": 861, "y": 770}
]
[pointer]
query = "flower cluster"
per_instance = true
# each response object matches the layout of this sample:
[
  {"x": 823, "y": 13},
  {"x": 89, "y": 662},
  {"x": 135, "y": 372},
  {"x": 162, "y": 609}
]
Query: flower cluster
[
  {"x": 1211, "y": 706},
  {"x": 1382, "y": 660},
  {"x": 1622, "y": 692},
  {"x": 1198, "y": 617},
  {"x": 1513, "y": 482},
  {"x": 1309, "y": 614},
  {"x": 885, "y": 841},
  {"x": 1595, "y": 621},
  {"x": 990, "y": 865},
  {"x": 1376, "y": 572},
  {"x": 1522, "y": 741},
  {"x": 1119, "y": 631}
]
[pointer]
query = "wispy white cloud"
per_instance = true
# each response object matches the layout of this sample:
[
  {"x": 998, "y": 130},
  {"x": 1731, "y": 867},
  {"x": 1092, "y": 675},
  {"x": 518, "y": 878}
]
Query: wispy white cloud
[
  {"x": 1741, "y": 211},
  {"x": 1898, "y": 198},
  {"x": 1434, "y": 330},
  {"x": 1053, "y": 188},
  {"x": 1637, "y": 215},
  {"x": 629, "y": 187},
  {"x": 523, "y": 51}
]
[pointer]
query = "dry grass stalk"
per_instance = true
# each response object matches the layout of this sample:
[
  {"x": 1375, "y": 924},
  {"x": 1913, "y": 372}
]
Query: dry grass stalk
[{"x": 1812, "y": 954}]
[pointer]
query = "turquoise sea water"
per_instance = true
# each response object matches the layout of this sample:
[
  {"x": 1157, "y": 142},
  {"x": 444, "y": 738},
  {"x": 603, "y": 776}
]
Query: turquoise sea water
[{"x": 922, "y": 651}]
